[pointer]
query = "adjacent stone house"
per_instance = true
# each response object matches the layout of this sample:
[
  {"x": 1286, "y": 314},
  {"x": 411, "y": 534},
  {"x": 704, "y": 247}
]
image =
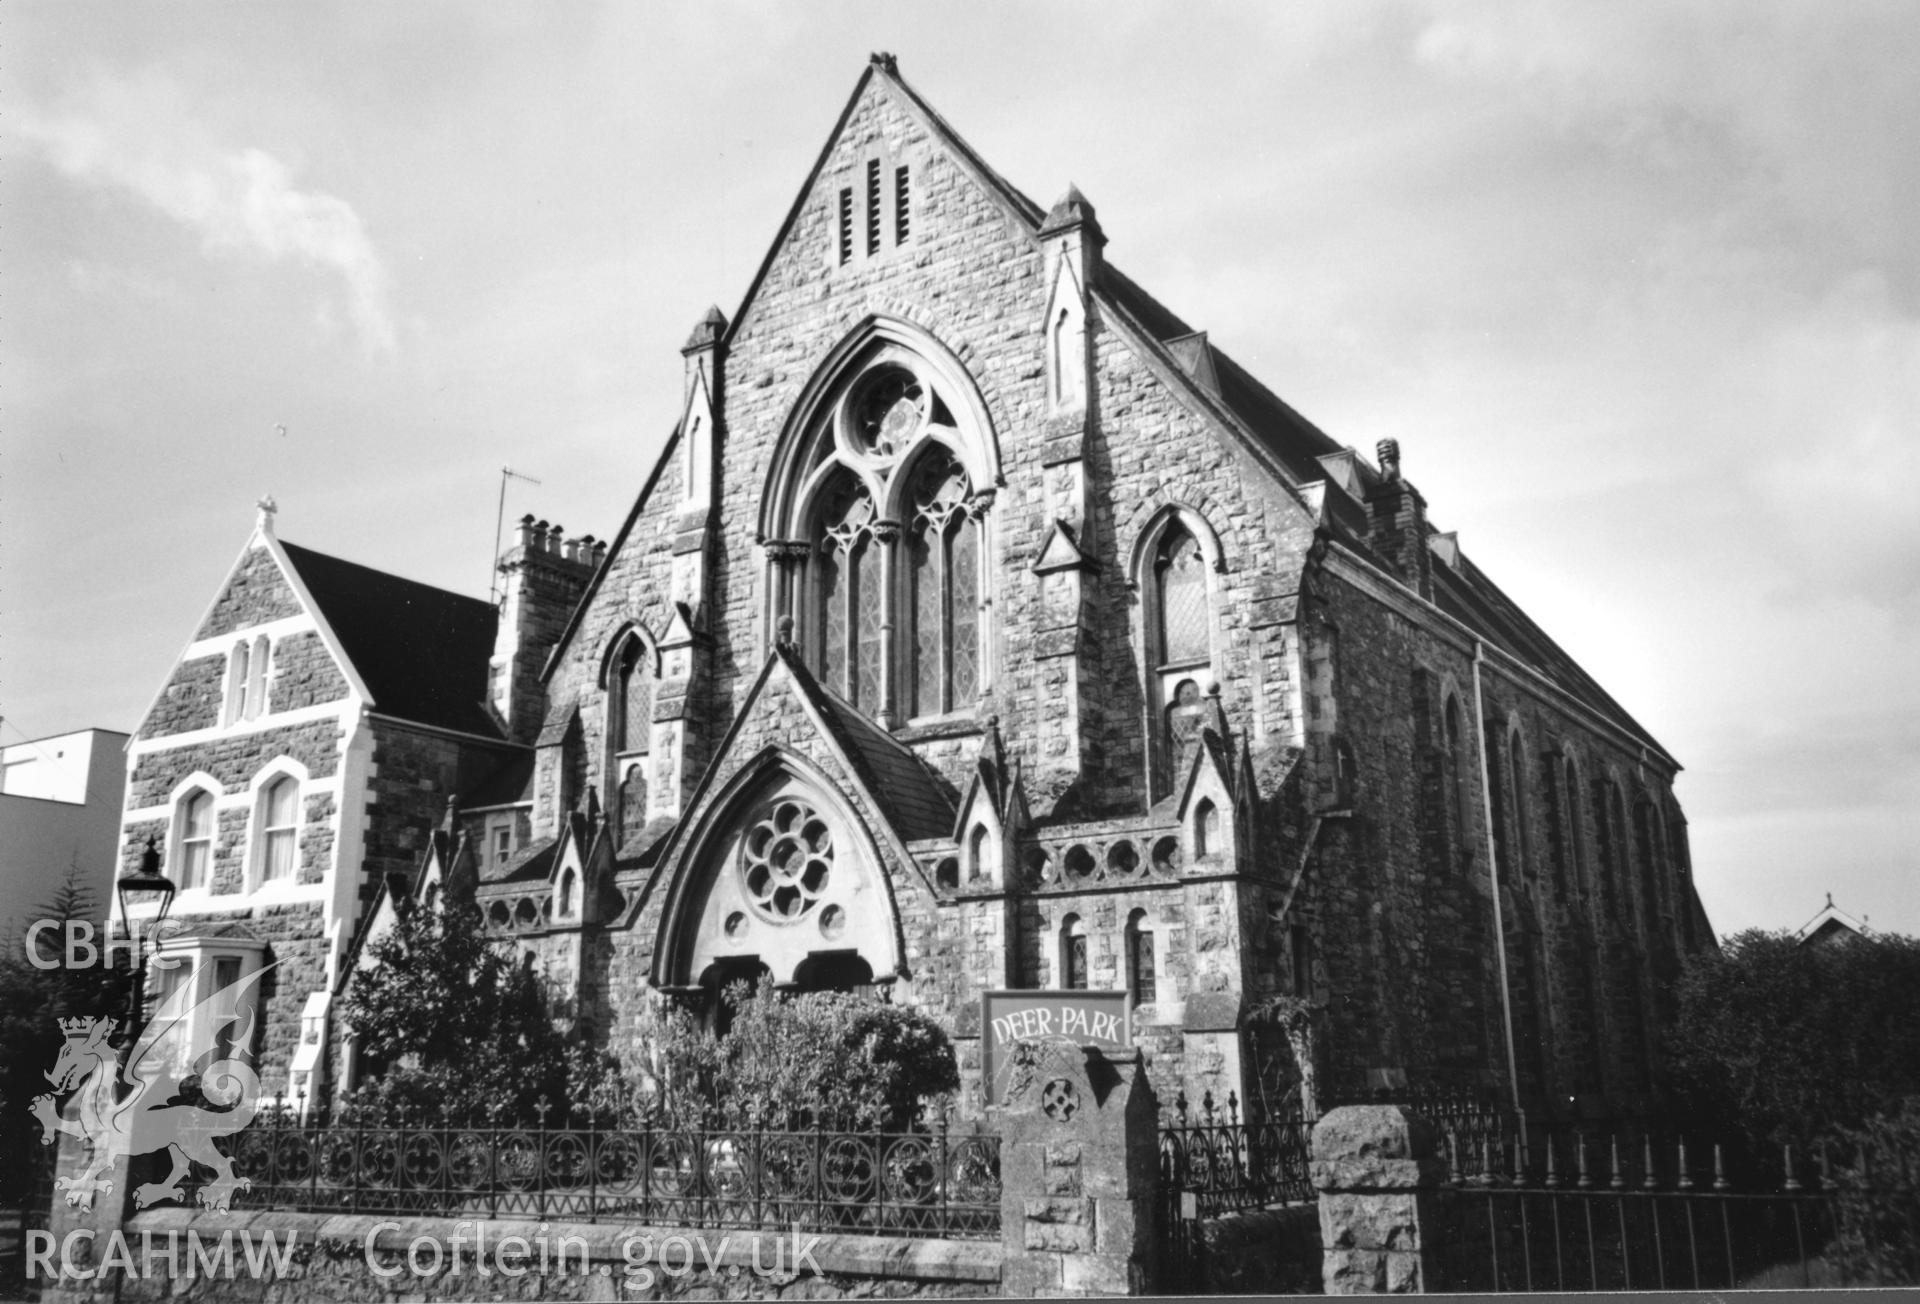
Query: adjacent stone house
[
  {"x": 983, "y": 626},
  {"x": 301, "y": 750}
]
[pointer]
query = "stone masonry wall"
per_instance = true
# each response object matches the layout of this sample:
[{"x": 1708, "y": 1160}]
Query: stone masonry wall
[
  {"x": 316, "y": 838},
  {"x": 304, "y": 673},
  {"x": 1407, "y": 939},
  {"x": 234, "y": 760},
  {"x": 257, "y": 593},
  {"x": 191, "y": 700},
  {"x": 414, "y": 772},
  {"x": 366, "y": 1258}
]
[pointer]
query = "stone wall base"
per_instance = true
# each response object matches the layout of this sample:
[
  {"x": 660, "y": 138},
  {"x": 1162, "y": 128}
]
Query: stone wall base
[{"x": 293, "y": 1258}]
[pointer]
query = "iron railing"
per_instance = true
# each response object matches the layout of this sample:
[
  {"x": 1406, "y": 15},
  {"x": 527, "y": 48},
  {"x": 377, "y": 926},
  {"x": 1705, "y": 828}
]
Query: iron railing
[
  {"x": 1217, "y": 1164},
  {"x": 928, "y": 1184},
  {"x": 1587, "y": 1212}
]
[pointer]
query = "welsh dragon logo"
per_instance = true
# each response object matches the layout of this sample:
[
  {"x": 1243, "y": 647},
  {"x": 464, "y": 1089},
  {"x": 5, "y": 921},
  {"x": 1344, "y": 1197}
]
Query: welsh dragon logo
[{"x": 133, "y": 1110}]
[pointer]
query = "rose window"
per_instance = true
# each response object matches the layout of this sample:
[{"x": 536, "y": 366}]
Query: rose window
[
  {"x": 887, "y": 411},
  {"x": 786, "y": 861}
]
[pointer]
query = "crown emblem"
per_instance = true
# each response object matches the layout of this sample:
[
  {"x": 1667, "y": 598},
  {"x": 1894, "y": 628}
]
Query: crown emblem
[{"x": 81, "y": 1027}]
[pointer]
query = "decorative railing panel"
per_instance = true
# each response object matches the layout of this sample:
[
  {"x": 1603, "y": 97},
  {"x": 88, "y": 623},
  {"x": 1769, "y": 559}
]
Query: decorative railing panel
[
  {"x": 1217, "y": 1164},
  {"x": 929, "y": 1184}
]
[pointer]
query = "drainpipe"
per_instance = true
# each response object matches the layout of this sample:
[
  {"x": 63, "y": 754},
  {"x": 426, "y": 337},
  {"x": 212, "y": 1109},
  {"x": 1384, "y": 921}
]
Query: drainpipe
[{"x": 1493, "y": 863}]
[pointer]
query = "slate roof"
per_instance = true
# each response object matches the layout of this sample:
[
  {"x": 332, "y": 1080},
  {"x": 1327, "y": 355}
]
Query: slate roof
[
  {"x": 532, "y": 863},
  {"x": 422, "y": 652},
  {"x": 1296, "y": 441},
  {"x": 915, "y": 800},
  {"x": 509, "y": 785}
]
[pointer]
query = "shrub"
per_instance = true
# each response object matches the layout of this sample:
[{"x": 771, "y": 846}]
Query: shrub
[
  {"x": 1878, "y": 1197},
  {"x": 1788, "y": 1040},
  {"x": 822, "y": 1058},
  {"x": 450, "y": 1027}
]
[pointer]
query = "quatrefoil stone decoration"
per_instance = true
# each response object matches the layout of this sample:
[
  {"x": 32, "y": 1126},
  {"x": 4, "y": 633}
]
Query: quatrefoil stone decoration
[{"x": 1060, "y": 1099}]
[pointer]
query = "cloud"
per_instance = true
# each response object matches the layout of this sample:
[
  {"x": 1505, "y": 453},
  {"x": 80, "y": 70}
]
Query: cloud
[{"x": 137, "y": 135}]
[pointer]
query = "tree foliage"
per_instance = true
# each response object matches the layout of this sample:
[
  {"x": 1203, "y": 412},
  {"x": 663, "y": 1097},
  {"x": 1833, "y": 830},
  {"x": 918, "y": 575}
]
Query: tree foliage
[
  {"x": 448, "y": 1024},
  {"x": 1789, "y": 1041},
  {"x": 32, "y": 1000}
]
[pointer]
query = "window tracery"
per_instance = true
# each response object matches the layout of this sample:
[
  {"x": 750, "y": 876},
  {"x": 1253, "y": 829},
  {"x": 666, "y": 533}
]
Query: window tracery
[
  {"x": 786, "y": 861},
  {"x": 894, "y": 610}
]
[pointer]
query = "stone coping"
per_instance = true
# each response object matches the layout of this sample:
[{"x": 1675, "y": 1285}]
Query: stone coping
[{"x": 836, "y": 1254}]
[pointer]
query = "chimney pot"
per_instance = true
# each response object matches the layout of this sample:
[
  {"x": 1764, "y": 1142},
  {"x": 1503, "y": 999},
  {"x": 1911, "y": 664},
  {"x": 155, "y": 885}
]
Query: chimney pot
[
  {"x": 557, "y": 541},
  {"x": 1387, "y": 452},
  {"x": 526, "y": 530}
]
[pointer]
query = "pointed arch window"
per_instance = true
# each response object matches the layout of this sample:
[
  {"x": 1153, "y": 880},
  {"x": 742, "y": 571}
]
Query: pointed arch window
[
  {"x": 195, "y": 857},
  {"x": 1170, "y": 568},
  {"x": 895, "y": 607},
  {"x": 257, "y": 670},
  {"x": 875, "y": 521},
  {"x": 979, "y": 855},
  {"x": 1142, "y": 973},
  {"x": 1517, "y": 802},
  {"x": 1181, "y": 611},
  {"x": 630, "y": 688},
  {"x": 239, "y": 680},
  {"x": 1576, "y": 833},
  {"x": 1458, "y": 790},
  {"x": 943, "y": 580},
  {"x": 1069, "y": 361},
  {"x": 848, "y": 564},
  {"x": 630, "y": 708},
  {"x": 1073, "y": 954},
  {"x": 279, "y": 828},
  {"x": 1206, "y": 830}
]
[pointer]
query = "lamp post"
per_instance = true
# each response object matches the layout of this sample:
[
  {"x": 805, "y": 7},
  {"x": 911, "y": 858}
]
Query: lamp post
[{"x": 145, "y": 884}]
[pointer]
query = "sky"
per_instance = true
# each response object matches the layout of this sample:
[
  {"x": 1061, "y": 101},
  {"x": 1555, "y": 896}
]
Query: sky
[{"x": 1635, "y": 286}]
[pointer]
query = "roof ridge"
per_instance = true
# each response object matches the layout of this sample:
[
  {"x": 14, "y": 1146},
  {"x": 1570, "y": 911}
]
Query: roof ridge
[{"x": 296, "y": 551}]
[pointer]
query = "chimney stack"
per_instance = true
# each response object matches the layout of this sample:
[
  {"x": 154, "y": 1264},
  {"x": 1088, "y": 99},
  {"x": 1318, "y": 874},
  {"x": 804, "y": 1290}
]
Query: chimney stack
[
  {"x": 546, "y": 575},
  {"x": 1397, "y": 530}
]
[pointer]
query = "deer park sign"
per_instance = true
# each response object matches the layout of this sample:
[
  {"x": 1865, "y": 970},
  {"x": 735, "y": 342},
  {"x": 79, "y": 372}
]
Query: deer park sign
[{"x": 1092, "y": 1018}]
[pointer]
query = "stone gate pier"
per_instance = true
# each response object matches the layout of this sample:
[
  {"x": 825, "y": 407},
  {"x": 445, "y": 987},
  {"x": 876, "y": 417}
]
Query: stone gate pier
[
  {"x": 1079, "y": 1166},
  {"x": 1378, "y": 1172}
]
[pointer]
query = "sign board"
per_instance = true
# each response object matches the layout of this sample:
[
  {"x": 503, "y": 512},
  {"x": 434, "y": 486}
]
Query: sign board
[{"x": 1092, "y": 1018}]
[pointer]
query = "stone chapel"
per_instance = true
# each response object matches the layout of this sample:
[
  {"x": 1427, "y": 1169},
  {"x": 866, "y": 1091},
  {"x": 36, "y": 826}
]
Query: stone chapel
[{"x": 980, "y": 626}]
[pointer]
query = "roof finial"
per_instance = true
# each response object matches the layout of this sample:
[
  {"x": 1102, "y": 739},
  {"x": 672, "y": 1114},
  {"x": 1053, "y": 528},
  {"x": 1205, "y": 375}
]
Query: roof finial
[
  {"x": 264, "y": 521},
  {"x": 885, "y": 62}
]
